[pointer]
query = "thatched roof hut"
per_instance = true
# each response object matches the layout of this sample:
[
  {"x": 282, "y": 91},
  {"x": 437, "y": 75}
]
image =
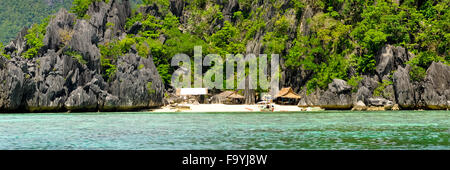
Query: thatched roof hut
[
  {"x": 288, "y": 93},
  {"x": 227, "y": 97},
  {"x": 287, "y": 96},
  {"x": 236, "y": 96}
]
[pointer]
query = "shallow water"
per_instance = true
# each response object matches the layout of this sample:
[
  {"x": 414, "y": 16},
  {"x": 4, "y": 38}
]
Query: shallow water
[{"x": 150, "y": 131}]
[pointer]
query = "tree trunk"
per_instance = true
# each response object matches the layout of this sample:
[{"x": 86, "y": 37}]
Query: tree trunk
[{"x": 249, "y": 94}]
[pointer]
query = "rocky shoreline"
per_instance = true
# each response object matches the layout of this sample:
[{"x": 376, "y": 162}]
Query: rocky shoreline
[{"x": 432, "y": 94}]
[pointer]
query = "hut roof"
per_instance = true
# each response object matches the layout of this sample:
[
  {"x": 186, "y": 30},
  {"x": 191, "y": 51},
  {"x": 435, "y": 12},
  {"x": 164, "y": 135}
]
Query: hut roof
[
  {"x": 225, "y": 94},
  {"x": 288, "y": 93},
  {"x": 236, "y": 96},
  {"x": 229, "y": 94}
]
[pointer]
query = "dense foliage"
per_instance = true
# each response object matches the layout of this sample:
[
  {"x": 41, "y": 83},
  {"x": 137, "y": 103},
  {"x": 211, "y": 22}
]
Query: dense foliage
[
  {"x": 14, "y": 15},
  {"x": 35, "y": 38},
  {"x": 344, "y": 38}
]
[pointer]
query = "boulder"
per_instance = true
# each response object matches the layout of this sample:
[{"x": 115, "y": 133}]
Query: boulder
[
  {"x": 12, "y": 81},
  {"x": 339, "y": 86},
  {"x": 359, "y": 106},
  {"x": 404, "y": 89},
  {"x": 310, "y": 100},
  {"x": 83, "y": 100},
  {"x": 395, "y": 107},
  {"x": 338, "y": 96},
  {"x": 437, "y": 82},
  {"x": 363, "y": 95}
]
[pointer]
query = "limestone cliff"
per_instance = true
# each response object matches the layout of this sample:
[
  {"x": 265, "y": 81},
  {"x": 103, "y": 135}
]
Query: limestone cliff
[{"x": 56, "y": 81}]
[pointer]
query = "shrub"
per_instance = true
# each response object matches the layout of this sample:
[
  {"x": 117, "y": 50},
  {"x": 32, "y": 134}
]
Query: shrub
[
  {"x": 379, "y": 91},
  {"x": 420, "y": 64},
  {"x": 354, "y": 82},
  {"x": 76, "y": 55},
  {"x": 109, "y": 53},
  {"x": 2, "y": 51},
  {"x": 80, "y": 7},
  {"x": 35, "y": 38}
]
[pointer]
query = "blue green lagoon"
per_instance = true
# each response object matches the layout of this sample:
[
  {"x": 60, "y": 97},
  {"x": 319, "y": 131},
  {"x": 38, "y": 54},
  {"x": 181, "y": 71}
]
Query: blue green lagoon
[{"x": 227, "y": 131}]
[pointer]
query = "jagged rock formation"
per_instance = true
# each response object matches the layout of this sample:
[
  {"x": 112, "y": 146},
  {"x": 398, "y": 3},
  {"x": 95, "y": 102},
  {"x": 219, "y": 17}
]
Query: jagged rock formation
[
  {"x": 338, "y": 96},
  {"x": 432, "y": 93},
  {"x": 58, "y": 82},
  {"x": 437, "y": 82}
]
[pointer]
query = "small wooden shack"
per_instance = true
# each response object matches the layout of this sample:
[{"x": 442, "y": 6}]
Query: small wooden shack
[
  {"x": 192, "y": 95},
  {"x": 287, "y": 96},
  {"x": 227, "y": 97}
]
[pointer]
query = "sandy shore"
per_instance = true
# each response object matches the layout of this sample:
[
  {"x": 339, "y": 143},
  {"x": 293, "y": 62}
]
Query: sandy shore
[{"x": 227, "y": 108}]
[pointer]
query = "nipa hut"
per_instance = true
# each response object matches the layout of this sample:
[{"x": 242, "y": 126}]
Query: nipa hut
[
  {"x": 287, "y": 96},
  {"x": 227, "y": 97}
]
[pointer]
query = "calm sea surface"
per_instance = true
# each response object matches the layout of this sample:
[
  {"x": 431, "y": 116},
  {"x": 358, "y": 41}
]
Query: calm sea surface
[{"x": 150, "y": 131}]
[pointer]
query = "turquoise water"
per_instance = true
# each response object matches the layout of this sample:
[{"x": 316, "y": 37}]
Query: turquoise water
[{"x": 150, "y": 131}]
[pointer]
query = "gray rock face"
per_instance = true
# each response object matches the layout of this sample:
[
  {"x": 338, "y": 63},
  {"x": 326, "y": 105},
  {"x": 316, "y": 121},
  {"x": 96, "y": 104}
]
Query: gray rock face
[
  {"x": 135, "y": 28},
  {"x": 54, "y": 81},
  {"x": 12, "y": 81},
  {"x": 338, "y": 96},
  {"x": 390, "y": 58},
  {"x": 137, "y": 88},
  {"x": 311, "y": 99},
  {"x": 79, "y": 99},
  {"x": 59, "y": 30},
  {"x": 363, "y": 95},
  {"x": 116, "y": 19},
  {"x": 404, "y": 89},
  {"x": 339, "y": 86},
  {"x": 177, "y": 6},
  {"x": 370, "y": 82},
  {"x": 437, "y": 86},
  {"x": 305, "y": 26},
  {"x": 83, "y": 42},
  {"x": 231, "y": 7},
  {"x": 18, "y": 45},
  {"x": 359, "y": 106}
]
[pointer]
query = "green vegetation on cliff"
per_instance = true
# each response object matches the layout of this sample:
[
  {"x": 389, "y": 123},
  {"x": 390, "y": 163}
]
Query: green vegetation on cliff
[
  {"x": 341, "y": 40},
  {"x": 35, "y": 38},
  {"x": 14, "y": 15}
]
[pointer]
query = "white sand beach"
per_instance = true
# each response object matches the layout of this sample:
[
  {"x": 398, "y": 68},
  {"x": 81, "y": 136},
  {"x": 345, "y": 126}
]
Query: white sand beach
[{"x": 229, "y": 108}]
